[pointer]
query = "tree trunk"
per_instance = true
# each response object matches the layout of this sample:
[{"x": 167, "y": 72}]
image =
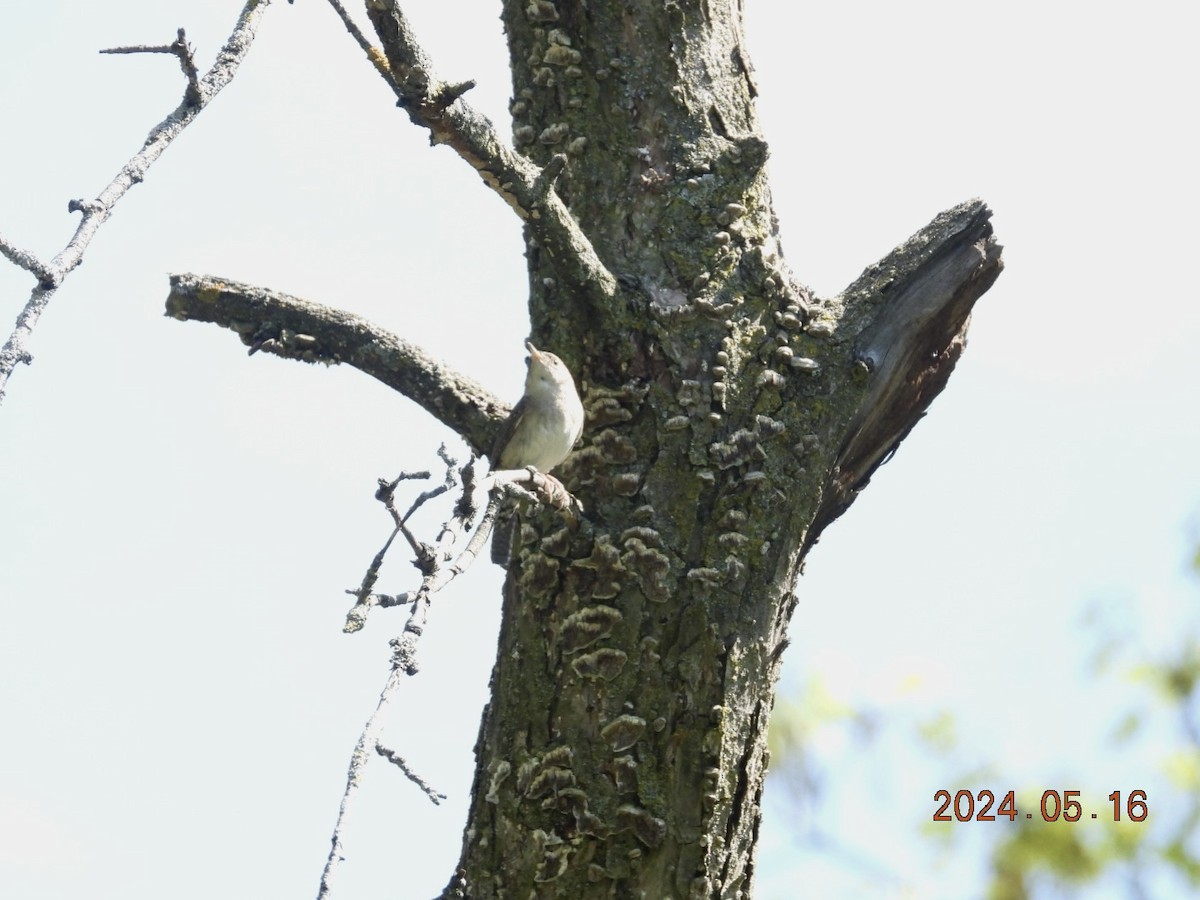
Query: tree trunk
[{"x": 731, "y": 416}]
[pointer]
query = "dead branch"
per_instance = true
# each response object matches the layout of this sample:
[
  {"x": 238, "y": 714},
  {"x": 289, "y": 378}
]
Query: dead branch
[
  {"x": 179, "y": 48},
  {"x": 436, "y": 797},
  {"x": 297, "y": 329},
  {"x": 430, "y": 558},
  {"x": 430, "y": 561},
  {"x": 197, "y": 96},
  {"x": 906, "y": 317},
  {"x": 358, "y": 762}
]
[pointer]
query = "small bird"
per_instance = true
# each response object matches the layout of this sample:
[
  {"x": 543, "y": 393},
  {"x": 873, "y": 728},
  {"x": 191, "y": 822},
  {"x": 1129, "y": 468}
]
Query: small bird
[{"x": 539, "y": 432}]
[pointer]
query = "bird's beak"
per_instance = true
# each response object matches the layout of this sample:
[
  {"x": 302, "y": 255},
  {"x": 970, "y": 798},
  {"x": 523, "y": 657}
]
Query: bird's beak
[{"x": 533, "y": 351}]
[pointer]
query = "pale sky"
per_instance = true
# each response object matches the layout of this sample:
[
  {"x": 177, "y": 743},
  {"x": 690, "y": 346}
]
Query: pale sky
[{"x": 178, "y": 701}]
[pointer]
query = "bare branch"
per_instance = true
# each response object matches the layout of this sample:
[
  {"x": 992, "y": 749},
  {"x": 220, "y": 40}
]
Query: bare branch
[
  {"x": 404, "y": 662},
  {"x": 438, "y": 106},
  {"x": 397, "y": 760},
  {"x": 357, "y": 617},
  {"x": 431, "y": 559},
  {"x": 297, "y": 329},
  {"x": 96, "y": 211},
  {"x": 179, "y": 48},
  {"x": 358, "y": 762},
  {"x": 447, "y": 484},
  {"x": 546, "y": 488},
  {"x": 373, "y": 53},
  {"x": 404, "y": 650},
  {"x": 138, "y": 48}
]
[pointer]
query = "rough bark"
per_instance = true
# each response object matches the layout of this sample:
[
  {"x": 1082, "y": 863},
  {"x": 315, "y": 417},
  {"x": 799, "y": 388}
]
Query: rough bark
[{"x": 731, "y": 417}]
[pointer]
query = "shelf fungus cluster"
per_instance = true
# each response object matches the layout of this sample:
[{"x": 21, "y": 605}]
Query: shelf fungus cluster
[
  {"x": 554, "y": 64},
  {"x": 554, "y": 782}
]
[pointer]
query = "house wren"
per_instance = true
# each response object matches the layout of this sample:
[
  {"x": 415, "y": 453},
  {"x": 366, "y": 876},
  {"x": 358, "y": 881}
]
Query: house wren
[{"x": 539, "y": 432}]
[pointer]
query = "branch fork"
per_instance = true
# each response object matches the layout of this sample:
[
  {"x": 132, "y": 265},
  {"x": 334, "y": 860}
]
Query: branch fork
[{"x": 197, "y": 95}]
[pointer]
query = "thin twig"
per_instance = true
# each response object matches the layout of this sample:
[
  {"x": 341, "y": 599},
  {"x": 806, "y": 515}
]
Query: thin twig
[
  {"x": 179, "y": 48},
  {"x": 431, "y": 559},
  {"x": 96, "y": 212},
  {"x": 355, "y": 32},
  {"x": 397, "y": 760},
  {"x": 447, "y": 484},
  {"x": 140, "y": 48},
  {"x": 401, "y": 523},
  {"x": 547, "y": 489},
  {"x": 364, "y": 594},
  {"x": 471, "y": 552},
  {"x": 358, "y": 762},
  {"x": 404, "y": 662}
]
